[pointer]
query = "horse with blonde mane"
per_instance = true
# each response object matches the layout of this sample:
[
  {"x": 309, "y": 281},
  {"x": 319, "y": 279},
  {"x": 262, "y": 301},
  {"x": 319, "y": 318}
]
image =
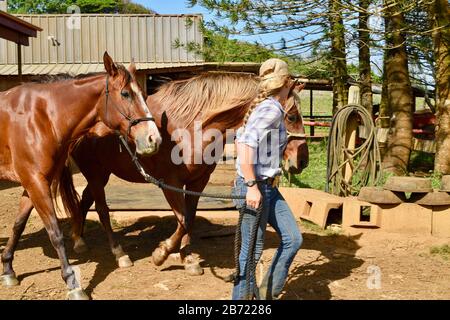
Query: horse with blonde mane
[{"x": 220, "y": 101}]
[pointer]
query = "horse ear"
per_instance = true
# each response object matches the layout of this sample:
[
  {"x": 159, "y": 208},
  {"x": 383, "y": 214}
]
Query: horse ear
[
  {"x": 132, "y": 67},
  {"x": 300, "y": 87},
  {"x": 110, "y": 66}
]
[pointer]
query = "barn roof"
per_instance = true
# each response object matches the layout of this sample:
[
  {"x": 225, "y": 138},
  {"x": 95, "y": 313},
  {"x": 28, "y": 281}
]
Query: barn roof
[
  {"x": 76, "y": 43},
  {"x": 15, "y": 29}
]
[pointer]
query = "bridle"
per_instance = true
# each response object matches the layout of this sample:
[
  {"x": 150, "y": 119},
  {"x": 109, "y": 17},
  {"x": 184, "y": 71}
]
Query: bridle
[{"x": 131, "y": 122}]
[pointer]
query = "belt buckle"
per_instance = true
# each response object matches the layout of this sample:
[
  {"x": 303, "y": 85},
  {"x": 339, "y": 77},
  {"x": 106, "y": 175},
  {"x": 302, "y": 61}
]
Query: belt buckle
[{"x": 276, "y": 182}]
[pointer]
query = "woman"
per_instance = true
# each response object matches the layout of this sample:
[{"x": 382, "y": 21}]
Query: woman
[{"x": 260, "y": 145}]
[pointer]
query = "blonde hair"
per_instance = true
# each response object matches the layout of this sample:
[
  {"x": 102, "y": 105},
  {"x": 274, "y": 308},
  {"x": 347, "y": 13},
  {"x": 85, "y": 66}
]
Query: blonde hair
[{"x": 273, "y": 77}]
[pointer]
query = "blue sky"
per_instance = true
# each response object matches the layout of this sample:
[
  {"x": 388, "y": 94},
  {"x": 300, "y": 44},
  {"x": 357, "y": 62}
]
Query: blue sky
[
  {"x": 172, "y": 6},
  {"x": 180, "y": 7}
]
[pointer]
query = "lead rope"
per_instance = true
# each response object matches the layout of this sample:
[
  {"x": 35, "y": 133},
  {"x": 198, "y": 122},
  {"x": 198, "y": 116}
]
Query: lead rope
[
  {"x": 250, "y": 265},
  {"x": 250, "y": 271}
]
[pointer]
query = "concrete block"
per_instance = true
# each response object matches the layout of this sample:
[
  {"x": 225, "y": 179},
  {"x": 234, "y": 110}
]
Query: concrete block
[
  {"x": 406, "y": 218},
  {"x": 352, "y": 214},
  {"x": 312, "y": 205},
  {"x": 441, "y": 221}
]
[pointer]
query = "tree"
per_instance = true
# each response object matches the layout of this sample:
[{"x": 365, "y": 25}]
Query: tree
[
  {"x": 338, "y": 54},
  {"x": 220, "y": 48},
  {"x": 86, "y": 6},
  {"x": 440, "y": 22},
  {"x": 312, "y": 26},
  {"x": 399, "y": 92},
  {"x": 130, "y": 7},
  {"x": 36, "y": 6},
  {"x": 364, "y": 56}
]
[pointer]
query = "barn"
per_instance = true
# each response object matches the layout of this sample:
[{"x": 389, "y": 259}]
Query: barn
[{"x": 75, "y": 44}]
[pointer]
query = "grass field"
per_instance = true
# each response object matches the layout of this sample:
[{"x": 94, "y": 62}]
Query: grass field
[
  {"x": 316, "y": 174},
  {"x": 323, "y": 106}
]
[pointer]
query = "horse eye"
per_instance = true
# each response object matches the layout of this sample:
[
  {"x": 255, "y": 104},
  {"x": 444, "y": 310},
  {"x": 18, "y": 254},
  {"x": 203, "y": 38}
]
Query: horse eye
[
  {"x": 125, "y": 94},
  {"x": 292, "y": 118}
]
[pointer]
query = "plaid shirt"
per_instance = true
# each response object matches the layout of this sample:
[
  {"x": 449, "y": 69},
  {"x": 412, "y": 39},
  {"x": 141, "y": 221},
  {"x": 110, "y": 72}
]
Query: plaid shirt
[{"x": 266, "y": 133}]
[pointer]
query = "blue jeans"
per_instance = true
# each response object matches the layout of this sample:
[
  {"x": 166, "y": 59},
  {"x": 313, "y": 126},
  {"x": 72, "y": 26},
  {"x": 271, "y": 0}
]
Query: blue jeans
[{"x": 277, "y": 213}]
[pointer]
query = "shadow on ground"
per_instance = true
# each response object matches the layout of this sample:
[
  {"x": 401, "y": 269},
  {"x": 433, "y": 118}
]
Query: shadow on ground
[{"x": 141, "y": 237}]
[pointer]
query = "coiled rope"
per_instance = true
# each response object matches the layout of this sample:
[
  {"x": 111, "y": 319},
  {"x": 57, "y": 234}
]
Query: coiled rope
[{"x": 364, "y": 160}]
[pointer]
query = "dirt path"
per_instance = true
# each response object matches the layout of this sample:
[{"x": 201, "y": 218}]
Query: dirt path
[{"x": 327, "y": 266}]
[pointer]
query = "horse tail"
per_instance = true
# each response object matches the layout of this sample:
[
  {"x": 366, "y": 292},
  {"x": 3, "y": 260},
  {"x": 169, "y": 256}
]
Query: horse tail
[{"x": 69, "y": 196}]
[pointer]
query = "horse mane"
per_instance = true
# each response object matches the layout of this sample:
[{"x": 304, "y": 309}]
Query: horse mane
[
  {"x": 52, "y": 78},
  {"x": 206, "y": 95}
]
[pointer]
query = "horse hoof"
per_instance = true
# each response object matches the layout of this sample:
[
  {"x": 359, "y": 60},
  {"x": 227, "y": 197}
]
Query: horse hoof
[
  {"x": 80, "y": 246},
  {"x": 159, "y": 256},
  {"x": 77, "y": 294},
  {"x": 125, "y": 262},
  {"x": 193, "y": 269},
  {"x": 9, "y": 280}
]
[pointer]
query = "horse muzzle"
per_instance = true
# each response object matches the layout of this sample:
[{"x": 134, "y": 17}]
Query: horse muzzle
[
  {"x": 147, "y": 145},
  {"x": 295, "y": 168}
]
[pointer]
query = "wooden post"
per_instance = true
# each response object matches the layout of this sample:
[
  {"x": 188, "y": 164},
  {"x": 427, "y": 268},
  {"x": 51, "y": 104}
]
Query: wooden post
[
  {"x": 19, "y": 61},
  {"x": 350, "y": 133},
  {"x": 311, "y": 111}
]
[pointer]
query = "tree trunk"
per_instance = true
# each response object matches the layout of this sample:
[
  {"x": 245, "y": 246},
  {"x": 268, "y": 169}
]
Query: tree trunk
[
  {"x": 440, "y": 16},
  {"x": 385, "y": 109},
  {"x": 364, "y": 57},
  {"x": 400, "y": 96},
  {"x": 338, "y": 55}
]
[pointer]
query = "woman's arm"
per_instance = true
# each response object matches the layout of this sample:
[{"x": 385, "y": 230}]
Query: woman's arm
[
  {"x": 247, "y": 163},
  {"x": 261, "y": 120}
]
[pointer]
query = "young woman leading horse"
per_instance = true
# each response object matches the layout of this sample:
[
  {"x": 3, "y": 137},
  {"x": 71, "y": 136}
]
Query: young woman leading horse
[
  {"x": 39, "y": 124},
  {"x": 220, "y": 101}
]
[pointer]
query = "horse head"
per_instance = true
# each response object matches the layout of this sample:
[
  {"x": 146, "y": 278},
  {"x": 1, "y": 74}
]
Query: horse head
[
  {"x": 125, "y": 109},
  {"x": 296, "y": 155}
]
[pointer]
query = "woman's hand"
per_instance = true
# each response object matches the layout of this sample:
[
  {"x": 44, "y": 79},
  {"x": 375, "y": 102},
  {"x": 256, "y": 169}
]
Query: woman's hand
[{"x": 253, "y": 197}]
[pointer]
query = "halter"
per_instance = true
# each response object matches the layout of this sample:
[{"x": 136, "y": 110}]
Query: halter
[{"x": 131, "y": 122}]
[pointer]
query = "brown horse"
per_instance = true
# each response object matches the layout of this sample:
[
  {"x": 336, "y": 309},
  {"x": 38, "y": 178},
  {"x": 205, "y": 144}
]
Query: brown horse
[
  {"x": 40, "y": 123},
  {"x": 220, "y": 101}
]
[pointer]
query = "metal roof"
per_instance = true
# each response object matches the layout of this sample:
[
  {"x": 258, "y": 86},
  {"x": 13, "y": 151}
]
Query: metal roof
[
  {"x": 78, "y": 68},
  {"x": 75, "y": 69},
  {"x": 15, "y": 29},
  {"x": 148, "y": 39}
]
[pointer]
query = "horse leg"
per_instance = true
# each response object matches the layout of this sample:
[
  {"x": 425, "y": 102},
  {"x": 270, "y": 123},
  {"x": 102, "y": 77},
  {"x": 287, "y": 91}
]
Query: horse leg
[
  {"x": 98, "y": 192},
  {"x": 25, "y": 207},
  {"x": 78, "y": 222},
  {"x": 40, "y": 195},
  {"x": 176, "y": 202},
  {"x": 191, "y": 264}
]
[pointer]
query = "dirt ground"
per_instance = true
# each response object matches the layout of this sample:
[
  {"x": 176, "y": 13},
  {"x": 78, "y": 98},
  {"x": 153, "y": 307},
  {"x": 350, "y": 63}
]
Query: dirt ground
[{"x": 373, "y": 265}]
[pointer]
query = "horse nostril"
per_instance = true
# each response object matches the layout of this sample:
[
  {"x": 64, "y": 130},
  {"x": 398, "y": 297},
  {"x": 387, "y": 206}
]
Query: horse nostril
[{"x": 303, "y": 164}]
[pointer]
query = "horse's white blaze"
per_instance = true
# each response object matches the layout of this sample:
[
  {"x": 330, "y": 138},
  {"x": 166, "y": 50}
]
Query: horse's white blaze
[{"x": 153, "y": 129}]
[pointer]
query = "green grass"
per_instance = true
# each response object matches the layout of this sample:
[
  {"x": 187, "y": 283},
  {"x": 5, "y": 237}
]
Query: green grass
[
  {"x": 442, "y": 251},
  {"x": 421, "y": 161},
  {"x": 315, "y": 175},
  {"x": 310, "y": 226}
]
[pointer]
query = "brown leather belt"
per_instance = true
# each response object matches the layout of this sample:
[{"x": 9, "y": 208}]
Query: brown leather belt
[{"x": 274, "y": 182}]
